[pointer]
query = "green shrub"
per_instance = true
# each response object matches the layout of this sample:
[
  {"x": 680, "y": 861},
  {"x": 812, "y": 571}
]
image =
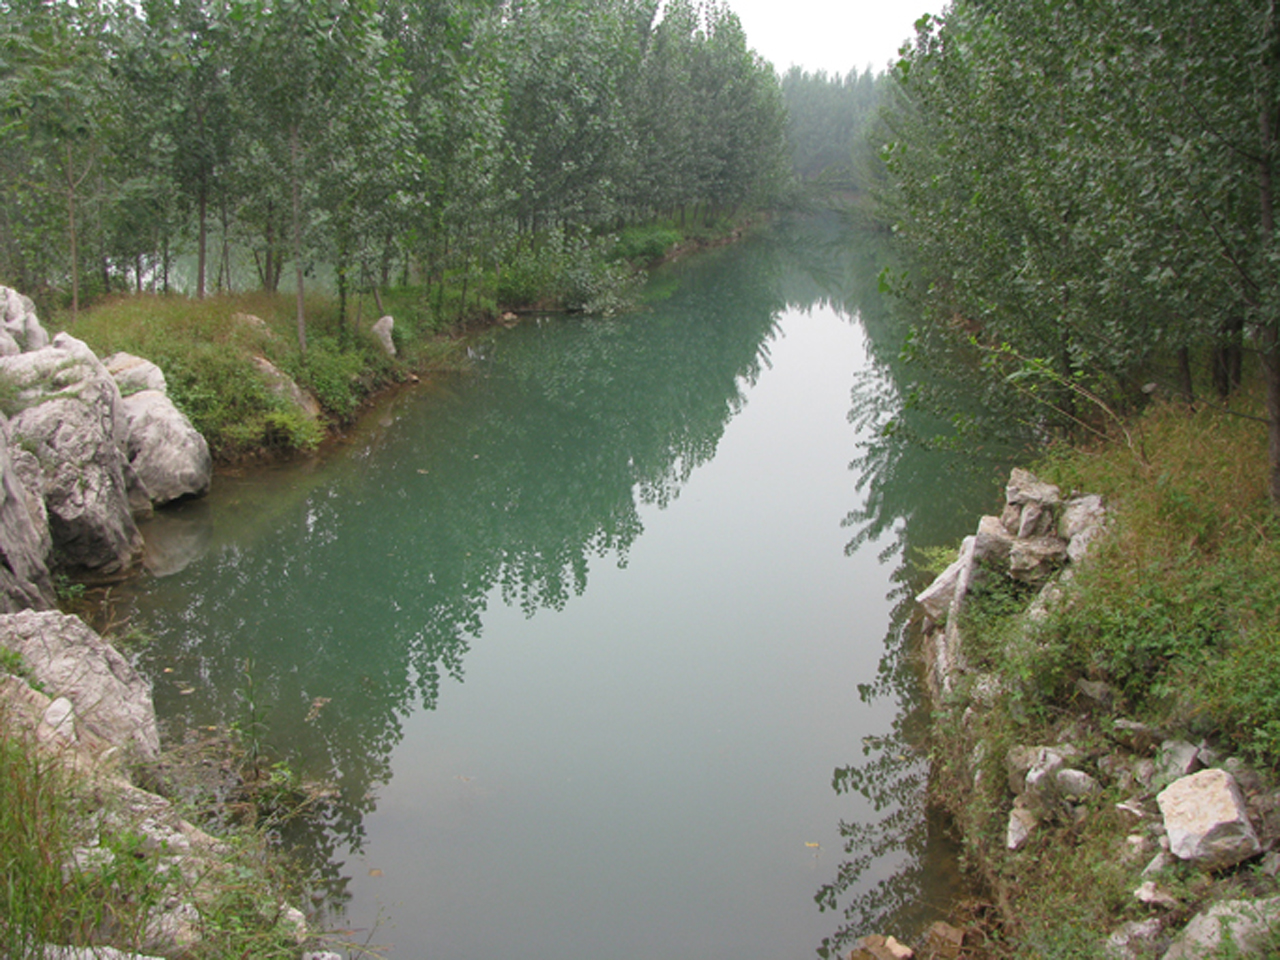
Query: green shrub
[{"x": 644, "y": 244}]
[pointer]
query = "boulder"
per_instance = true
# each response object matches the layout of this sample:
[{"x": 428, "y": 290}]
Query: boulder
[
  {"x": 20, "y": 328},
  {"x": 1032, "y": 502},
  {"x": 284, "y": 387},
  {"x": 876, "y": 947},
  {"x": 133, "y": 374},
  {"x": 1176, "y": 758},
  {"x": 73, "y": 424},
  {"x": 1035, "y": 559},
  {"x": 1084, "y": 519},
  {"x": 1247, "y": 925},
  {"x": 1022, "y": 823},
  {"x": 382, "y": 331},
  {"x": 107, "y": 695},
  {"x": 168, "y": 454},
  {"x": 24, "y": 534},
  {"x": 1206, "y": 820}
]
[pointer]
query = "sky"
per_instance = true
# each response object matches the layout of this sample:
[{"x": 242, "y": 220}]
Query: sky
[{"x": 830, "y": 35}]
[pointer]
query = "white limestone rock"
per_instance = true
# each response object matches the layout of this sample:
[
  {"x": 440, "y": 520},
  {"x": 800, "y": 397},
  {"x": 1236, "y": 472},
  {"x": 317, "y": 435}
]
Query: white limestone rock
[
  {"x": 1206, "y": 819},
  {"x": 19, "y": 322},
  {"x": 107, "y": 695},
  {"x": 1133, "y": 939},
  {"x": 133, "y": 374},
  {"x": 168, "y": 454},
  {"x": 382, "y": 331},
  {"x": 1248, "y": 924},
  {"x": 73, "y": 424},
  {"x": 1084, "y": 520}
]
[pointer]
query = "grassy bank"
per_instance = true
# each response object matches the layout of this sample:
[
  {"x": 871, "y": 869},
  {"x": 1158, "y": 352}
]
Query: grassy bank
[
  {"x": 207, "y": 348},
  {"x": 1177, "y": 613}
]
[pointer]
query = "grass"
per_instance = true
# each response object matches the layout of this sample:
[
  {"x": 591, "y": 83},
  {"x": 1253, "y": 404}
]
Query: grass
[
  {"x": 70, "y": 877},
  {"x": 1178, "y": 611}
]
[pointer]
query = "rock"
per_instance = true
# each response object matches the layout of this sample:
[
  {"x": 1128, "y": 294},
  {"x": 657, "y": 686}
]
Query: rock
[
  {"x": 1022, "y": 823},
  {"x": 1248, "y": 923},
  {"x": 382, "y": 331},
  {"x": 70, "y": 660},
  {"x": 1017, "y": 762},
  {"x": 1076, "y": 784},
  {"x": 1177, "y": 758},
  {"x": 19, "y": 321},
  {"x": 1133, "y": 939},
  {"x": 937, "y": 597},
  {"x": 168, "y": 454},
  {"x": 992, "y": 542},
  {"x": 1084, "y": 519},
  {"x": 282, "y": 385},
  {"x": 74, "y": 427},
  {"x": 876, "y": 947},
  {"x": 1037, "y": 558},
  {"x": 1036, "y": 502},
  {"x": 1155, "y": 896},
  {"x": 134, "y": 374},
  {"x": 24, "y": 532},
  {"x": 90, "y": 953},
  {"x": 1206, "y": 820},
  {"x": 254, "y": 323}
]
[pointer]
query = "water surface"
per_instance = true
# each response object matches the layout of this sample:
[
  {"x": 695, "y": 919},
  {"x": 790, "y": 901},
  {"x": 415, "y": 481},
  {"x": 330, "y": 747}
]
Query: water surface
[{"x": 577, "y": 634}]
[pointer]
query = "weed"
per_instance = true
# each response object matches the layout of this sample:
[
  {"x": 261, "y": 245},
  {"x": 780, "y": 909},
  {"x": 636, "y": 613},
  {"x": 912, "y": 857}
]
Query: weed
[{"x": 12, "y": 663}]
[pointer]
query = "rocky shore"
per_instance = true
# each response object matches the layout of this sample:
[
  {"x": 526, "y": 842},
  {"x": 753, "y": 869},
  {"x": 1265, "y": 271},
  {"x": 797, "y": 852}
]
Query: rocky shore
[
  {"x": 1189, "y": 832},
  {"x": 87, "y": 447}
]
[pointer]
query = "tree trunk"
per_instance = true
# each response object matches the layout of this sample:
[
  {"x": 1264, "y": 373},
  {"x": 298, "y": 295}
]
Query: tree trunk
[
  {"x": 1185, "y": 386},
  {"x": 202, "y": 203},
  {"x": 71, "y": 234},
  {"x": 297, "y": 235},
  {"x": 1270, "y": 333}
]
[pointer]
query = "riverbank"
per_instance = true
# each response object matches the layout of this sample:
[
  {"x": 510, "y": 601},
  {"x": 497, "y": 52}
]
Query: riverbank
[
  {"x": 1088, "y": 701},
  {"x": 234, "y": 365}
]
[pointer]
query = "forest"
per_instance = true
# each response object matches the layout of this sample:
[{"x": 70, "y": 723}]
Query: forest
[
  {"x": 1087, "y": 191},
  {"x": 387, "y": 140}
]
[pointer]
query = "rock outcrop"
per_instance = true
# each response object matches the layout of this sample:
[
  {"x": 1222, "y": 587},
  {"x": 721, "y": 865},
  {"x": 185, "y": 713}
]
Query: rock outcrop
[
  {"x": 1035, "y": 536},
  {"x": 71, "y": 420},
  {"x": 169, "y": 456},
  {"x": 24, "y": 534},
  {"x": 20, "y": 328},
  {"x": 69, "y": 660}
]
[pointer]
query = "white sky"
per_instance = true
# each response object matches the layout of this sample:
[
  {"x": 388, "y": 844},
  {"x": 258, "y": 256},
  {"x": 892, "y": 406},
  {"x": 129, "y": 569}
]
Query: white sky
[{"x": 830, "y": 35}]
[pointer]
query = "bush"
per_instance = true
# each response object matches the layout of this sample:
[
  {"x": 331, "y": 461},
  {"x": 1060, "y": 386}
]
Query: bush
[{"x": 645, "y": 244}]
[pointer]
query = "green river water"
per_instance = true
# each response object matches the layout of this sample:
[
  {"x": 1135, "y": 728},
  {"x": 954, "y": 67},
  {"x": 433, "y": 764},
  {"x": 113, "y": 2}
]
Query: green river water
[{"x": 579, "y": 635}]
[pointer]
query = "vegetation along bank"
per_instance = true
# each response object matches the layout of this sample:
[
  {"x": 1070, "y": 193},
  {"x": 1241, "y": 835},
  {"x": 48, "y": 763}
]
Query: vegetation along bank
[{"x": 1084, "y": 198}]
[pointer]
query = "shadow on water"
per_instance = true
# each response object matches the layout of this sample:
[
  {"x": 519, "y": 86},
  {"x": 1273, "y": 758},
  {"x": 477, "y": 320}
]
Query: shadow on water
[{"x": 512, "y": 481}]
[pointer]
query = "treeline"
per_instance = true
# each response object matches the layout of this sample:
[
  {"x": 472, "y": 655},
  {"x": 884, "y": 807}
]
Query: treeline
[
  {"x": 385, "y": 138},
  {"x": 830, "y": 120},
  {"x": 1088, "y": 191}
]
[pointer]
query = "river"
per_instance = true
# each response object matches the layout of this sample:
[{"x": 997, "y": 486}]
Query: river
[{"x": 579, "y": 634}]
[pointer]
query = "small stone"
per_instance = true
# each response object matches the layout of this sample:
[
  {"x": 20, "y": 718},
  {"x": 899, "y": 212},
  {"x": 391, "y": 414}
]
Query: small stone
[
  {"x": 1097, "y": 691},
  {"x": 1161, "y": 861},
  {"x": 1152, "y": 895},
  {"x": 1177, "y": 758},
  {"x": 1138, "y": 737},
  {"x": 1133, "y": 939},
  {"x": 1076, "y": 784},
  {"x": 1022, "y": 822}
]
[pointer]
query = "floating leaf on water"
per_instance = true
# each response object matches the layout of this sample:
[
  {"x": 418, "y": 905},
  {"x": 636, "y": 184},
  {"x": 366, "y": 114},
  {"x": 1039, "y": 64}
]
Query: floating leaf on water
[
  {"x": 375, "y": 872},
  {"x": 812, "y": 845}
]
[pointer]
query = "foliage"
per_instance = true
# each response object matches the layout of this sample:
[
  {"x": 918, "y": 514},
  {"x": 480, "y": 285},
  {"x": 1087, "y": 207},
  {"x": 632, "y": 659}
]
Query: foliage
[
  {"x": 1090, "y": 184},
  {"x": 645, "y": 244},
  {"x": 382, "y": 138}
]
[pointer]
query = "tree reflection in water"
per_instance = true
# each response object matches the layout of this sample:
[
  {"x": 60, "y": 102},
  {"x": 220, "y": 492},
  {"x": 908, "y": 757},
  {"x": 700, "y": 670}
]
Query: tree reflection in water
[{"x": 361, "y": 585}]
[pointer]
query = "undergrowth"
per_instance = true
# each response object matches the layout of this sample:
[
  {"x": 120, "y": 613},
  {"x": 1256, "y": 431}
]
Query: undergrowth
[{"x": 71, "y": 877}]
